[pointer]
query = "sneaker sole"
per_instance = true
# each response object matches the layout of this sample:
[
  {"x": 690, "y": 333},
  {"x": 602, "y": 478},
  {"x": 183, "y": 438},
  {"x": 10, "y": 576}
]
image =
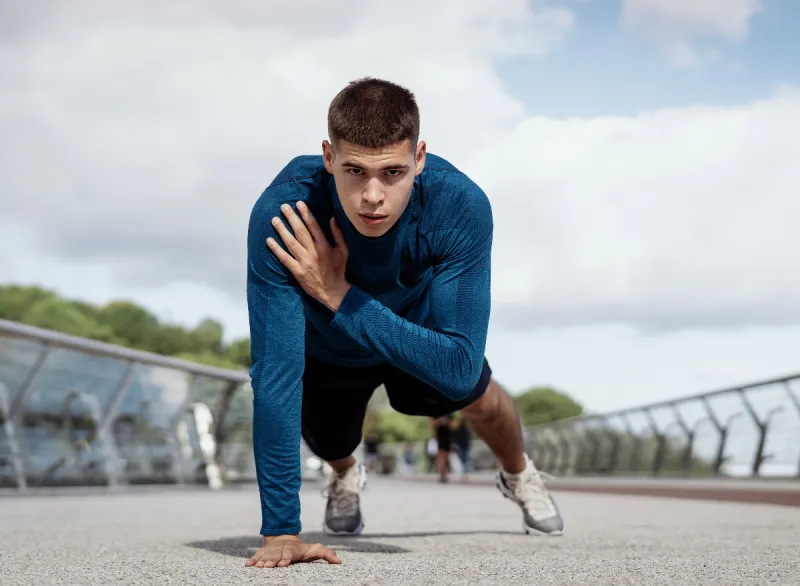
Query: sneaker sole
[
  {"x": 357, "y": 531},
  {"x": 525, "y": 527}
]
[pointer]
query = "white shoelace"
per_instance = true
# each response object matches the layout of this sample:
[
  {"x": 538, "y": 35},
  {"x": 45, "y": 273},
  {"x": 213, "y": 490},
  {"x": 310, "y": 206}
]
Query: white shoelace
[
  {"x": 529, "y": 488},
  {"x": 342, "y": 492}
]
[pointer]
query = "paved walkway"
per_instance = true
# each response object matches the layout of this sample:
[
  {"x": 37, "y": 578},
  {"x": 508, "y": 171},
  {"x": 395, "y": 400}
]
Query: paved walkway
[
  {"x": 417, "y": 533},
  {"x": 765, "y": 491}
]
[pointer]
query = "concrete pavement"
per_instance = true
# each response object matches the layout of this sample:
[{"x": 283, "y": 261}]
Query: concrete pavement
[
  {"x": 784, "y": 492},
  {"x": 416, "y": 533}
]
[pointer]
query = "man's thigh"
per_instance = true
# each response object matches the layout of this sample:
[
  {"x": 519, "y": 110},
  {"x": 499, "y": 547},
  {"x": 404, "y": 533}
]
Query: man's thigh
[
  {"x": 411, "y": 396},
  {"x": 334, "y": 405}
]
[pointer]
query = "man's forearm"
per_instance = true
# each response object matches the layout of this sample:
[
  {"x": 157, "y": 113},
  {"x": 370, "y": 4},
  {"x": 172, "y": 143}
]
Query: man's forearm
[
  {"x": 450, "y": 363},
  {"x": 276, "y": 447},
  {"x": 277, "y": 336}
]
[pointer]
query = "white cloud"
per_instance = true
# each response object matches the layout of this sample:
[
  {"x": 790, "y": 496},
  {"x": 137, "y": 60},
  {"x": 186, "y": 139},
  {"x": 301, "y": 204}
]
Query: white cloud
[
  {"x": 141, "y": 149},
  {"x": 682, "y": 55},
  {"x": 135, "y": 143},
  {"x": 670, "y": 218},
  {"x": 677, "y": 23},
  {"x": 154, "y": 127},
  {"x": 614, "y": 367},
  {"x": 691, "y": 18}
]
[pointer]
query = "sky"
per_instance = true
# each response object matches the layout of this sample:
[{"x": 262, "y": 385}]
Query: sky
[{"x": 639, "y": 155}]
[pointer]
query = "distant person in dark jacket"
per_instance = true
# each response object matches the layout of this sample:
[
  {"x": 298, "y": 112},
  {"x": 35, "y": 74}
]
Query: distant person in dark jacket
[
  {"x": 372, "y": 450},
  {"x": 444, "y": 437},
  {"x": 462, "y": 439}
]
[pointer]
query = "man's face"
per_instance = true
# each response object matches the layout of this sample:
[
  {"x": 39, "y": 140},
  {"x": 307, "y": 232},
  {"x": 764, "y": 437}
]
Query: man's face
[{"x": 374, "y": 185}]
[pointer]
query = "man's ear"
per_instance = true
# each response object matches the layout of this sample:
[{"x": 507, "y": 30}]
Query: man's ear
[
  {"x": 328, "y": 154},
  {"x": 419, "y": 157}
]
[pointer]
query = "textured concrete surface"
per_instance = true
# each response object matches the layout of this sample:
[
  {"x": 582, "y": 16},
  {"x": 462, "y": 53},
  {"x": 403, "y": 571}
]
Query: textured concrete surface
[
  {"x": 743, "y": 490},
  {"x": 416, "y": 534}
]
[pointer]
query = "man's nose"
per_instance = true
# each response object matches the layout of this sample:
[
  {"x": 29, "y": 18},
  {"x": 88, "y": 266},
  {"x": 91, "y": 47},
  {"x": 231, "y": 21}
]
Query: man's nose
[{"x": 373, "y": 193}]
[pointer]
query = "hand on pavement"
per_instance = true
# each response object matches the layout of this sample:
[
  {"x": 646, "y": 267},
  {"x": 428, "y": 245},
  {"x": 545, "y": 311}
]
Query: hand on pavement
[{"x": 284, "y": 550}]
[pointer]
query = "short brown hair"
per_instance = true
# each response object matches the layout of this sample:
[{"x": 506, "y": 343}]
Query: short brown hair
[{"x": 374, "y": 113}]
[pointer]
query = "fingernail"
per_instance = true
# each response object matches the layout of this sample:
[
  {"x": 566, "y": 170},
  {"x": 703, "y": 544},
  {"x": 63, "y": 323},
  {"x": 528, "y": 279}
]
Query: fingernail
[
  {"x": 285, "y": 207},
  {"x": 301, "y": 205},
  {"x": 275, "y": 221}
]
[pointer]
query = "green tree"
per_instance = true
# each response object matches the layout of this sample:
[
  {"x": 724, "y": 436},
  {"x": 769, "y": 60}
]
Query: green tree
[
  {"x": 239, "y": 352},
  {"x": 396, "y": 427},
  {"x": 16, "y": 300},
  {"x": 209, "y": 359},
  {"x": 56, "y": 314},
  {"x": 134, "y": 325},
  {"x": 170, "y": 340},
  {"x": 543, "y": 404},
  {"x": 207, "y": 337}
]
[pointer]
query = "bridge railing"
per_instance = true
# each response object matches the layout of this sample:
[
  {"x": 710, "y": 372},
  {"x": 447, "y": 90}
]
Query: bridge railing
[
  {"x": 749, "y": 430},
  {"x": 79, "y": 412}
]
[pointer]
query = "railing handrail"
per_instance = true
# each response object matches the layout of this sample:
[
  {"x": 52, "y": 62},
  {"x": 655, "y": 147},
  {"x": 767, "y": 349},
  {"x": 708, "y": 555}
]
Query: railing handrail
[
  {"x": 671, "y": 402},
  {"x": 107, "y": 350}
]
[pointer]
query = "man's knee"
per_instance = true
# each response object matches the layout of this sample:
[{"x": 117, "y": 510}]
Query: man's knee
[
  {"x": 488, "y": 405},
  {"x": 330, "y": 443}
]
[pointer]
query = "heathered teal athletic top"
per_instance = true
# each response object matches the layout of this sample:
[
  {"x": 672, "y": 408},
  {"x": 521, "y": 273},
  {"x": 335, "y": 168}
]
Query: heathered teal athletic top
[{"x": 419, "y": 300}]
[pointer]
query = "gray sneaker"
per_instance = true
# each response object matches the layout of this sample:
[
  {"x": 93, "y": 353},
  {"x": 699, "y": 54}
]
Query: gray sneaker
[
  {"x": 539, "y": 511},
  {"x": 343, "y": 511}
]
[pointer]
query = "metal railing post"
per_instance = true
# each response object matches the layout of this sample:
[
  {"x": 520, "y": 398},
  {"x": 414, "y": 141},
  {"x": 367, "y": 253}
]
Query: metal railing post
[
  {"x": 22, "y": 392},
  {"x": 686, "y": 457},
  {"x": 796, "y": 402},
  {"x": 636, "y": 441},
  {"x": 763, "y": 427},
  {"x": 11, "y": 438},
  {"x": 655, "y": 465},
  {"x": 17, "y": 404},
  {"x": 179, "y": 462},
  {"x": 219, "y": 424},
  {"x": 565, "y": 450},
  {"x": 115, "y": 463},
  {"x": 615, "y": 441}
]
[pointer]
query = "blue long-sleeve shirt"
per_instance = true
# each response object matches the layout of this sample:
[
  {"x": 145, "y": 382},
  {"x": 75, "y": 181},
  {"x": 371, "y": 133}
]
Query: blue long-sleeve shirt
[{"x": 419, "y": 300}]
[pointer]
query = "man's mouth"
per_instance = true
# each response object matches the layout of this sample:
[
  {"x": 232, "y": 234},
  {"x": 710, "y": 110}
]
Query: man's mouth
[{"x": 373, "y": 219}]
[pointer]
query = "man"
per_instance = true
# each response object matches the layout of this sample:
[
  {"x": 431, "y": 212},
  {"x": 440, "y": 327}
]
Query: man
[
  {"x": 372, "y": 456},
  {"x": 370, "y": 265},
  {"x": 442, "y": 428},
  {"x": 462, "y": 439}
]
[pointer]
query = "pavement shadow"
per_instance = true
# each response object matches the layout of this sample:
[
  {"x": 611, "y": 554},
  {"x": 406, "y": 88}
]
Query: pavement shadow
[
  {"x": 318, "y": 536},
  {"x": 244, "y": 547}
]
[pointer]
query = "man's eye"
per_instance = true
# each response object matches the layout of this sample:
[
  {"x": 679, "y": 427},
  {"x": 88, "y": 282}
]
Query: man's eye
[
  {"x": 354, "y": 171},
  {"x": 393, "y": 172}
]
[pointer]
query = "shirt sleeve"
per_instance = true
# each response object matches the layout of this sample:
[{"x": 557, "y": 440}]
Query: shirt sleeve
[
  {"x": 449, "y": 355},
  {"x": 277, "y": 333}
]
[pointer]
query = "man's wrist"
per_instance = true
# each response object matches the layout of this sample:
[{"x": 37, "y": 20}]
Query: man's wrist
[
  {"x": 270, "y": 538},
  {"x": 333, "y": 300}
]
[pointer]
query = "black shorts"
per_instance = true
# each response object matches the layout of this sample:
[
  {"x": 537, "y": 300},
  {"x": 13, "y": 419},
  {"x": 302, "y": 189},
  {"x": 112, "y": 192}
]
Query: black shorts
[{"x": 335, "y": 402}]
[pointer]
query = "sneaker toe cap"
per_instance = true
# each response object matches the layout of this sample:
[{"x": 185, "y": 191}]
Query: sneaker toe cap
[
  {"x": 343, "y": 524},
  {"x": 549, "y": 525}
]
